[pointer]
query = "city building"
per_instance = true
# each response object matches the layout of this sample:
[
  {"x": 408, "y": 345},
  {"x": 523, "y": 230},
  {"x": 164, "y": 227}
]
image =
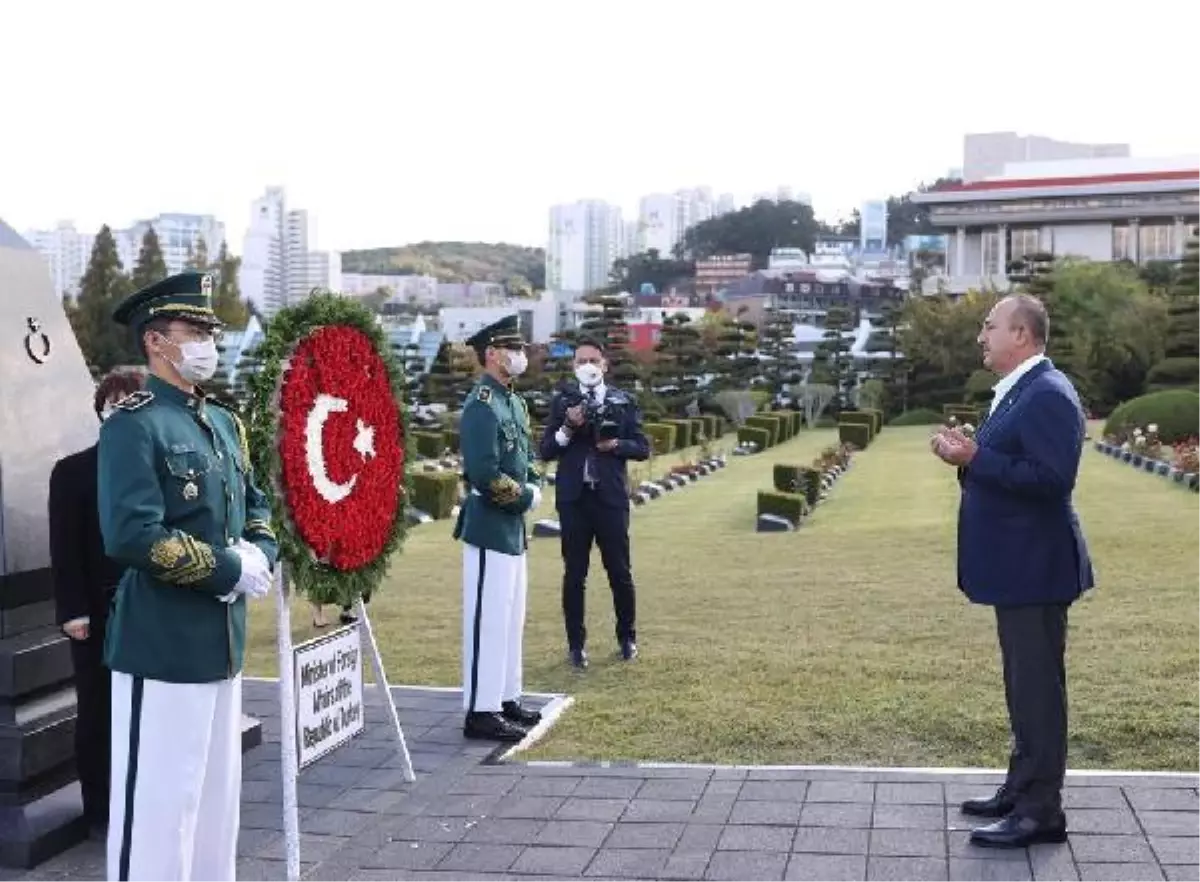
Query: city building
[
  {"x": 471, "y": 293},
  {"x": 418, "y": 290},
  {"x": 663, "y": 218},
  {"x": 538, "y": 318},
  {"x": 718, "y": 272},
  {"x": 279, "y": 267},
  {"x": 985, "y": 154},
  {"x": 180, "y": 237},
  {"x": 872, "y": 225},
  {"x": 1137, "y": 210},
  {"x": 66, "y": 252},
  {"x": 585, "y": 238}
]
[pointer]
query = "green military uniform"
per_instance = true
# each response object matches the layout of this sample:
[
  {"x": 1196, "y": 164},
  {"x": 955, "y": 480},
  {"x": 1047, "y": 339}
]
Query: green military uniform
[
  {"x": 502, "y": 487},
  {"x": 498, "y": 468},
  {"x": 176, "y": 491},
  {"x": 179, "y": 507}
]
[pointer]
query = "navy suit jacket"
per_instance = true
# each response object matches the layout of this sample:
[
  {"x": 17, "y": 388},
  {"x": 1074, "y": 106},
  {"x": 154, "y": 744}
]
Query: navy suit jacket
[
  {"x": 611, "y": 474},
  {"x": 1019, "y": 539}
]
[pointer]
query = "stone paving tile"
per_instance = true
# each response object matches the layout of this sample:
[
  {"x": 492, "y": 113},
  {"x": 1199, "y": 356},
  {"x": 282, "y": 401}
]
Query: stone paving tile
[{"x": 467, "y": 818}]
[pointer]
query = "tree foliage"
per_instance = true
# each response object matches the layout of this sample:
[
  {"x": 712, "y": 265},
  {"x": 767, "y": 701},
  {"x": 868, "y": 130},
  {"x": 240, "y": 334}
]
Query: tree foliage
[
  {"x": 777, "y": 345},
  {"x": 104, "y": 343},
  {"x": 1180, "y": 365},
  {"x": 227, "y": 295},
  {"x": 755, "y": 230},
  {"x": 453, "y": 262},
  {"x": 680, "y": 362},
  {"x": 648, "y": 267},
  {"x": 150, "y": 267}
]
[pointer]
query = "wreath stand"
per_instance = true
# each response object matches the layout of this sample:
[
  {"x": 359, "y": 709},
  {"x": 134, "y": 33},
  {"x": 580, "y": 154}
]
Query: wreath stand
[{"x": 289, "y": 769}]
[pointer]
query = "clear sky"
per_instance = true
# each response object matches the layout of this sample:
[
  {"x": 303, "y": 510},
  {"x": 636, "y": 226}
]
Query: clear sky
[{"x": 429, "y": 119}]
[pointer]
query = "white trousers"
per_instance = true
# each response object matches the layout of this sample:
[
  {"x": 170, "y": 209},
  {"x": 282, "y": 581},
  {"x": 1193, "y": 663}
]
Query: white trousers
[
  {"x": 494, "y": 587},
  {"x": 175, "y": 805}
]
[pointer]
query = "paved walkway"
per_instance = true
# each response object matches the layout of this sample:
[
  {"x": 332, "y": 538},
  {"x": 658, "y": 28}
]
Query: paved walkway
[{"x": 469, "y": 817}]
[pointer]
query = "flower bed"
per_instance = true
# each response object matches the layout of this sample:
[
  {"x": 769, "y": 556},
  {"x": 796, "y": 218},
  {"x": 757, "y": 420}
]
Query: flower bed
[{"x": 1142, "y": 449}]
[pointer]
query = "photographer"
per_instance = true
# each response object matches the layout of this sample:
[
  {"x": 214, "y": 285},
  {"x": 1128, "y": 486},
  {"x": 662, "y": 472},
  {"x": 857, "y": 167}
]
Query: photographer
[{"x": 592, "y": 430}]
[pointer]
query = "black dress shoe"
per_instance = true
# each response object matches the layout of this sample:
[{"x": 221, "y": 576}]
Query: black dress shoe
[
  {"x": 514, "y": 713},
  {"x": 1017, "y": 832},
  {"x": 628, "y": 650},
  {"x": 995, "y": 806},
  {"x": 579, "y": 658},
  {"x": 492, "y": 727}
]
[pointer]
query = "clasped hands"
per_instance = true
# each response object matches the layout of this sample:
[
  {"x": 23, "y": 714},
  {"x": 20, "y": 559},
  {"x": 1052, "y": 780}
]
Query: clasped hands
[
  {"x": 575, "y": 418},
  {"x": 255, "y": 580},
  {"x": 953, "y": 446}
]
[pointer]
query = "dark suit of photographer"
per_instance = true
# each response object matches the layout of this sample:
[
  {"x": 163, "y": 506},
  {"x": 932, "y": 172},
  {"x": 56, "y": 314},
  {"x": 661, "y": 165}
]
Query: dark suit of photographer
[{"x": 593, "y": 430}]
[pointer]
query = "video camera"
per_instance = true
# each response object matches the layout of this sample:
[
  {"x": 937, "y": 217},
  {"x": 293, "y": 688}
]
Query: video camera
[{"x": 598, "y": 417}]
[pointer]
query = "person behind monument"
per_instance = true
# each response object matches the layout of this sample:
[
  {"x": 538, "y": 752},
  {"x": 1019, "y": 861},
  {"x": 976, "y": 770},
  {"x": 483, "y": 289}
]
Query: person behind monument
[
  {"x": 502, "y": 487},
  {"x": 84, "y": 582},
  {"x": 593, "y": 430},
  {"x": 179, "y": 507}
]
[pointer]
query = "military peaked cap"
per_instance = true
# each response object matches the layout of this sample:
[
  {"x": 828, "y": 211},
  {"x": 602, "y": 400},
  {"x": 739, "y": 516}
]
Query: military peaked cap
[
  {"x": 505, "y": 334},
  {"x": 186, "y": 296}
]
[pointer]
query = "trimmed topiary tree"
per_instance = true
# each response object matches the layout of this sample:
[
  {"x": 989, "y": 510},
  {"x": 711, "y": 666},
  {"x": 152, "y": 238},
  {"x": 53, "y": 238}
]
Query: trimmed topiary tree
[{"x": 1180, "y": 366}]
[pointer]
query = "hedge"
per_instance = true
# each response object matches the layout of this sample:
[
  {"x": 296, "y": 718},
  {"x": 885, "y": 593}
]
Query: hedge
[
  {"x": 683, "y": 433},
  {"x": 858, "y": 434},
  {"x": 430, "y": 444},
  {"x": 1176, "y": 412},
  {"x": 859, "y": 418},
  {"x": 798, "y": 479},
  {"x": 768, "y": 423},
  {"x": 661, "y": 437},
  {"x": 712, "y": 427},
  {"x": 435, "y": 493},
  {"x": 877, "y": 414},
  {"x": 453, "y": 440},
  {"x": 760, "y": 436},
  {"x": 792, "y": 506},
  {"x": 699, "y": 429}
]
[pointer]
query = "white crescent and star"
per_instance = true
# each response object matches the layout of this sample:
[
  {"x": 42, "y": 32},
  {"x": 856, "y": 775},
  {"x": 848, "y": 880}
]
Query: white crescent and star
[{"x": 314, "y": 447}]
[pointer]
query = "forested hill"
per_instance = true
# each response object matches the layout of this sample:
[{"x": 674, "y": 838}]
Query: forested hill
[{"x": 453, "y": 261}]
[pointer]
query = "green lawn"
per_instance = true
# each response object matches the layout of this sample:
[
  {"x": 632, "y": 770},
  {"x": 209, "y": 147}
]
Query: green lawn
[{"x": 846, "y": 642}]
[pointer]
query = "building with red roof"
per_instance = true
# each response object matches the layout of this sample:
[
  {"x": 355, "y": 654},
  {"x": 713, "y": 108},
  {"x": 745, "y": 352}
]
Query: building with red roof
[{"x": 1102, "y": 209}]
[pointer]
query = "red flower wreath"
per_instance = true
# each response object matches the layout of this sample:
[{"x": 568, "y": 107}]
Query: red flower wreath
[{"x": 341, "y": 447}]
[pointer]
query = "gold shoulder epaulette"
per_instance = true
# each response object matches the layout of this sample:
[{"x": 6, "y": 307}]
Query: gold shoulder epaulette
[{"x": 135, "y": 400}]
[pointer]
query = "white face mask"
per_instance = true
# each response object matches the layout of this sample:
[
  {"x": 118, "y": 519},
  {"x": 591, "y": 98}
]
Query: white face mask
[
  {"x": 589, "y": 374},
  {"x": 517, "y": 362},
  {"x": 199, "y": 360}
]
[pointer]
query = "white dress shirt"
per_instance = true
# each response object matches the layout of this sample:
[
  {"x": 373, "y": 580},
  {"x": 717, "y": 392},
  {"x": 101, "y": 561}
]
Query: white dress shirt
[{"x": 1009, "y": 380}]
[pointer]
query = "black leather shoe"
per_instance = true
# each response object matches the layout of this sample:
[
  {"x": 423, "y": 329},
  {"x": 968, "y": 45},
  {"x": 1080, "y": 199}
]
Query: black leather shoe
[
  {"x": 492, "y": 727},
  {"x": 514, "y": 713},
  {"x": 998, "y": 805},
  {"x": 578, "y": 658},
  {"x": 628, "y": 650},
  {"x": 1017, "y": 832}
]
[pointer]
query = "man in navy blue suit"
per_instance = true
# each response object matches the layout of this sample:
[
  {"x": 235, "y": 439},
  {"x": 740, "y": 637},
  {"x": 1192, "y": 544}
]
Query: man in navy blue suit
[
  {"x": 593, "y": 430},
  {"x": 1021, "y": 550}
]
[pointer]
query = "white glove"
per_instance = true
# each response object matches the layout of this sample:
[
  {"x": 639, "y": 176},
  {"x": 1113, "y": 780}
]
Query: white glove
[
  {"x": 255, "y": 580},
  {"x": 537, "y": 496}
]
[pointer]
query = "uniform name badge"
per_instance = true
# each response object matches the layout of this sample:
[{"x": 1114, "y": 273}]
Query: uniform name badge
[{"x": 190, "y": 491}]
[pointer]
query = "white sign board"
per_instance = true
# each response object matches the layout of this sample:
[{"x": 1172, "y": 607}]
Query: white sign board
[{"x": 329, "y": 693}]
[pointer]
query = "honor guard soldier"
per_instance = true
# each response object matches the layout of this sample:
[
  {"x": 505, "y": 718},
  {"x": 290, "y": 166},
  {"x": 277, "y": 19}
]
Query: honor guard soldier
[
  {"x": 502, "y": 487},
  {"x": 180, "y": 509}
]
